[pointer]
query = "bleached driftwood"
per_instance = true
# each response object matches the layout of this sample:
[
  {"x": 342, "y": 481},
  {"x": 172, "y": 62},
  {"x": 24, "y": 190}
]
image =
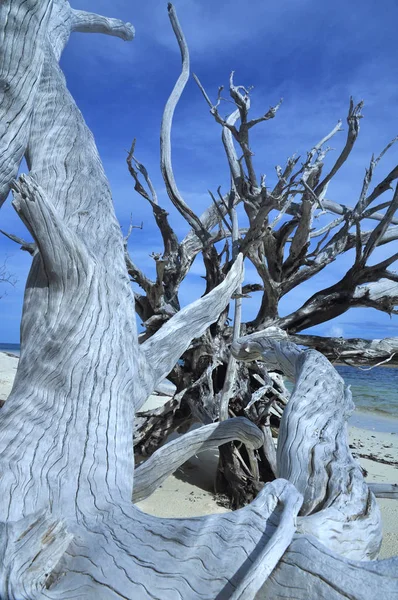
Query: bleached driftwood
[
  {"x": 384, "y": 490},
  {"x": 354, "y": 351},
  {"x": 67, "y": 428},
  {"x": 68, "y": 527},
  {"x": 308, "y": 571},
  {"x": 286, "y": 249},
  {"x": 19, "y": 79},
  {"x": 31, "y": 549},
  {"x": 313, "y": 451},
  {"x": 338, "y": 509},
  {"x": 149, "y": 475},
  {"x": 163, "y": 349}
]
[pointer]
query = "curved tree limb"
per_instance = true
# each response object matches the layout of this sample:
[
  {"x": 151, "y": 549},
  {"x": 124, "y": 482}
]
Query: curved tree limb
[
  {"x": 313, "y": 451},
  {"x": 150, "y": 474},
  {"x": 354, "y": 115},
  {"x": 70, "y": 418},
  {"x": 87, "y": 22},
  {"x": 165, "y": 134}
]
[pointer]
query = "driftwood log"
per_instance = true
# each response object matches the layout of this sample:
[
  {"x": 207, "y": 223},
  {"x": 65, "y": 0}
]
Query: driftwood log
[
  {"x": 68, "y": 526},
  {"x": 313, "y": 453}
]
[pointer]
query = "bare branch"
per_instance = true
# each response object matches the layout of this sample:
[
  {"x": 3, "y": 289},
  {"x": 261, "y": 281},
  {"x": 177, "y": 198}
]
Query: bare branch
[
  {"x": 165, "y": 347},
  {"x": 381, "y": 228},
  {"x": 213, "y": 108},
  {"x": 284, "y": 175},
  {"x": 384, "y": 490},
  {"x": 144, "y": 172},
  {"x": 165, "y": 134},
  {"x": 150, "y": 474},
  {"x": 258, "y": 225},
  {"x": 354, "y": 115},
  {"x": 6, "y": 277},
  {"x": 371, "y": 211},
  {"x": 135, "y": 272},
  {"x": 230, "y": 149},
  {"x": 386, "y": 149},
  {"x": 230, "y": 375},
  {"x": 222, "y": 216},
  {"x": 361, "y": 204},
  {"x": 315, "y": 150},
  {"x": 379, "y": 364},
  {"x": 270, "y": 114},
  {"x": 311, "y": 192},
  {"x": 327, "y": 228},
  {"x": 26, "y": 246},
  {"x": 170, "y": 240},
  {"x": 88, "y": 22},
  {"x": 338, "y": 209},
  {"x": 242, "y": 101},
  {"x": 382, "y": 187},
  {"x": 354, "y": 351},
  {"x": 382, "y": 295}
]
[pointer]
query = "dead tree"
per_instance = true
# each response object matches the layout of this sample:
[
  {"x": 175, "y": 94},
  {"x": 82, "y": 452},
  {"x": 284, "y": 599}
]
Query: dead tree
[
  {"x": 68, "y": 526},
  {"x": 293, "y": 231}
]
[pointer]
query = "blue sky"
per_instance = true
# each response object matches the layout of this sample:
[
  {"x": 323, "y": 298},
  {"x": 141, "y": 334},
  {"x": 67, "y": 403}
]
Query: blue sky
[{"x": 313, "y": 54}]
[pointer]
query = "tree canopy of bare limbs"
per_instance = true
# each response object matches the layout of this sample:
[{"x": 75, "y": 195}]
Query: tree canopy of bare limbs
[
  {"x": 69, "y": 527},
  {"x": 292, "y": 232}
]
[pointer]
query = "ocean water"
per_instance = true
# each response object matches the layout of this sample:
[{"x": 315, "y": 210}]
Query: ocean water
[
  {"x": 374, "y": 391},
  {"x": 11, "y": 348}
]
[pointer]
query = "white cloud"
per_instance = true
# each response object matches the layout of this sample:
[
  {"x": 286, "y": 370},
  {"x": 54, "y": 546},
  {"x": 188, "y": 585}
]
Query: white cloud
[{"x": 336, "y": 331}]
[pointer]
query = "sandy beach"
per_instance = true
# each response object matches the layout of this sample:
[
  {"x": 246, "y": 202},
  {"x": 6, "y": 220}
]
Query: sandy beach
[{"x": 189, "y": 492}]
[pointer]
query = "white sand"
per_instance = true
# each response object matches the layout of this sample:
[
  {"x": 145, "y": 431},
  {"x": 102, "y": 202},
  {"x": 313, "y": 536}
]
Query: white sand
[
  {"x": 8, "y": 369},
  {"x": 189, "y": 492},
  {"x": 385, "y": 446}
]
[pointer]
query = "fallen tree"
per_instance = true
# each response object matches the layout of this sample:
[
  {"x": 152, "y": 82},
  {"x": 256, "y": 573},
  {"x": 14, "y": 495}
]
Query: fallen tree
[
  {"x": 292, "y": 232},
  {"x": 68, "y": 526}
]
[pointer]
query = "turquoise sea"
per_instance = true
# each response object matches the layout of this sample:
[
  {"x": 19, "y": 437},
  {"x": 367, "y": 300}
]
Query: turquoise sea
[{"x": 374, "y": 391}]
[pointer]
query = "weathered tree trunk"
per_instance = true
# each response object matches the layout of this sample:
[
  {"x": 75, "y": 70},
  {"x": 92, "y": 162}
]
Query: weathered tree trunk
[
  {"x": 68, "y": 527},
  {"x": 19, "y": 79},
  {"x": 66, "y": 452}
]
